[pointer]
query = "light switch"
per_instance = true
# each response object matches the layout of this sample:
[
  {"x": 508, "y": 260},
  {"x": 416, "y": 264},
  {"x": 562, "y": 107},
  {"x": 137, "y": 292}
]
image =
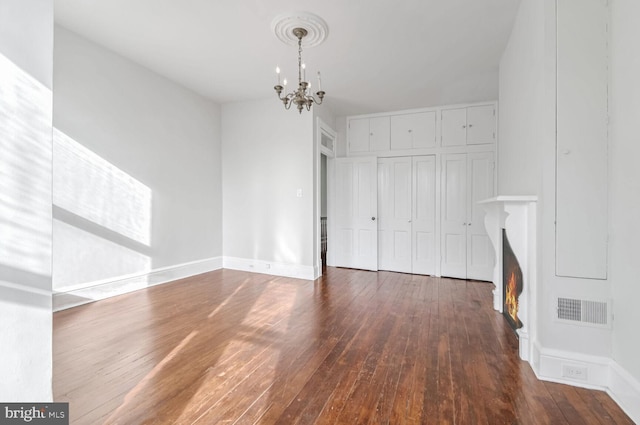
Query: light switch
[{"x": 299, "y": 193}]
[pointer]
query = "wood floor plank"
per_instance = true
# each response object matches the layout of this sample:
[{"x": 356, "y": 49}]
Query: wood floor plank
[
  {"x": 354, "y": 347},
  {"x": 603, "y": 407}
]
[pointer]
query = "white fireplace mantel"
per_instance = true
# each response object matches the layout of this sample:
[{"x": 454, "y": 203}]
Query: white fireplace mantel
[{"x": 517, "y": 215}]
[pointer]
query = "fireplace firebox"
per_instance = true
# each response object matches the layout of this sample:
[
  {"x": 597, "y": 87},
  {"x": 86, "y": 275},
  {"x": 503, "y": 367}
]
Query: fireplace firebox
[{"x": 511, "y": 283}]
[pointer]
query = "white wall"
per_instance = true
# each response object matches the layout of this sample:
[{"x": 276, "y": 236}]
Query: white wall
[
  {"x": 625, "y": 183},
  {"x": 521, "y": 86},
  {"x": 526, "y": 166},
  {"x": 268, "y": 156},
  {"x": 26, "y": 46},
  {"x": 137, "y": 168}
]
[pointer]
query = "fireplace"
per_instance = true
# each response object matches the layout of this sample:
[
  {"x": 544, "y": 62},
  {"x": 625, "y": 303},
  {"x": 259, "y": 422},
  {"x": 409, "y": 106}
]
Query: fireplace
[
  {"x": 515, "y": 272},
  {"x": 511, "y": 283}
]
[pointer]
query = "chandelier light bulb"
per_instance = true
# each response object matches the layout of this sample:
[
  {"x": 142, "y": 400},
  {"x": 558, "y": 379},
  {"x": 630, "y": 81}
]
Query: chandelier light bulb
[{"x": 278, "y": 73}]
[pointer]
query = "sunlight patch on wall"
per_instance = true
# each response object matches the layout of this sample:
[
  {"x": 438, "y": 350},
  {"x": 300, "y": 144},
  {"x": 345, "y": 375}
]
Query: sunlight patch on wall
[
  {"x": 25, "y": 170},
  {"x": 76, "y": 248},
  {"x": 92, "y": 188}
]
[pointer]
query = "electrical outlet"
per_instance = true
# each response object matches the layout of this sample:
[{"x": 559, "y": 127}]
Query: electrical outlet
[{"x": 574, "y": 372}]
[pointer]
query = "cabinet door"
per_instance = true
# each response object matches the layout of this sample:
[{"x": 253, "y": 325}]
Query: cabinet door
[
  {"x": 413, "y": 130},
  {"x": 582, "y": 174},
  {"x": 453, "y": 240},
  {"x": 424, "y": 215},
  {"x": 379, "y": 133},
  {"x": 453, "y": 128},
  {"x": 480, "y": 184},
  {"x": 394, "y": 214},
  {"x": 359, "y": 135},
  {"x": 481, "y": 125}
]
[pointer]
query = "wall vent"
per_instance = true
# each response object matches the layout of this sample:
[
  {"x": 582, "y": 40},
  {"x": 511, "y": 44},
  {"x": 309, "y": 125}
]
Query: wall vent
[{"x": 585, "y": 312}]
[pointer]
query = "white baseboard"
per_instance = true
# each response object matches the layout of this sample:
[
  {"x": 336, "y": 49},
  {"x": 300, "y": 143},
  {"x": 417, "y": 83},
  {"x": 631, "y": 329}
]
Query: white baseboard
[
  {"x": 551, "y": 365},
  {"x": 268, "y": 267},
  {"x": 624, "y": 389},
  {"x": 601, "y": 373},
  {"x": 68, "y": 297}
]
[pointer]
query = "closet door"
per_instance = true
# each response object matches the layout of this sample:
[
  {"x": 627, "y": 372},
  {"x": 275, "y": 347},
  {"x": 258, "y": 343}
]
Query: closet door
[
  {"x": 356, "y": 213},
  {"x": 424, "y": 215},
  {"x": 394, "y": 209},
  {"x": 480, "y": 184},
  {"x": 453, "y": 249}
]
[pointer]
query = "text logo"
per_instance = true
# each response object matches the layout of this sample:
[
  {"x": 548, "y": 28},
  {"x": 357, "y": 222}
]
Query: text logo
[{"x": 34, "y": 413}]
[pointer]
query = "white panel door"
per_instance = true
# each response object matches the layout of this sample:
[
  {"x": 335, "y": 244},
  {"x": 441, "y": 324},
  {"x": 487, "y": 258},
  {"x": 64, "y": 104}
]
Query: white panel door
[
  {"x": 582, "y": 139},
  {"x": 424, "y": 215},
  {"x": 480, "y": 185},
  {"x": 356, "y": 213},
  {"x": 453, "y": 129},
  {"x": 481, "y": 124},
  {"x": 453, "y": 248},
  {"x": 394, "y": 211}
]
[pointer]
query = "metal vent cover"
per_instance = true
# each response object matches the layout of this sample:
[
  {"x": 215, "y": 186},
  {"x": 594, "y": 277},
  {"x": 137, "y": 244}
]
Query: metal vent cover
[{"x": 594, "y": 313}]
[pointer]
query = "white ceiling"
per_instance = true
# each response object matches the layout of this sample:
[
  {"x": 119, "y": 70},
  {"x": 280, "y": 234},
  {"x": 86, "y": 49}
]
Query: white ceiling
[{"x": 380, "y": 55}]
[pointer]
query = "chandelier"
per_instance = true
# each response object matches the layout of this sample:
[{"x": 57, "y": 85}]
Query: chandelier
[{"x": 293, "y": 29}]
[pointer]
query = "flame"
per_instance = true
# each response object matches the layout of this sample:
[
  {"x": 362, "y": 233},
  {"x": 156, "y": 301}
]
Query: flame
[{"x": 511, "y": 298}]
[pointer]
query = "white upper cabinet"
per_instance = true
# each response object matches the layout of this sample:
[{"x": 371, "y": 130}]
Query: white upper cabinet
[
  {"x": 368, "y": 134},
  {"x": 412, "y": 131},
  {"x": 454, "y": 127},
  {"x": 379, "y": 134},
  {"x": 481, "y": 125},
  {"x": 473, "y": 125},
  {"x": 359, "y": 135},
  {"x": 423, "y": 131}
]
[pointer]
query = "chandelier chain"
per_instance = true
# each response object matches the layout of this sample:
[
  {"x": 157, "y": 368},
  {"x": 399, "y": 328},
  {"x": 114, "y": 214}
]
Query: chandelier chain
[{"x": 299, "y": 59}]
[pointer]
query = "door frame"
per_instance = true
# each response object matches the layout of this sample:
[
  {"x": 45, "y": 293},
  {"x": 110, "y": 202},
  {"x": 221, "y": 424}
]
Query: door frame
[{"x": 322, "y": 128}]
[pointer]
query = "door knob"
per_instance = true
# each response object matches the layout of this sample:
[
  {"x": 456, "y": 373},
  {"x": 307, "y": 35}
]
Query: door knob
[{"x": 373, "y": 218}]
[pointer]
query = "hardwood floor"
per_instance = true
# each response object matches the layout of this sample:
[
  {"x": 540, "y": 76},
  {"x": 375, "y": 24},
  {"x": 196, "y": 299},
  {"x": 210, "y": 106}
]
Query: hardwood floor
[{"x": 354, "y": 347}]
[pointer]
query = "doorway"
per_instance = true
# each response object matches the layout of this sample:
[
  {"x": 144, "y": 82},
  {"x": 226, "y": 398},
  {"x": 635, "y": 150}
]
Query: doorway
[{"x": 326, "y": 140}]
